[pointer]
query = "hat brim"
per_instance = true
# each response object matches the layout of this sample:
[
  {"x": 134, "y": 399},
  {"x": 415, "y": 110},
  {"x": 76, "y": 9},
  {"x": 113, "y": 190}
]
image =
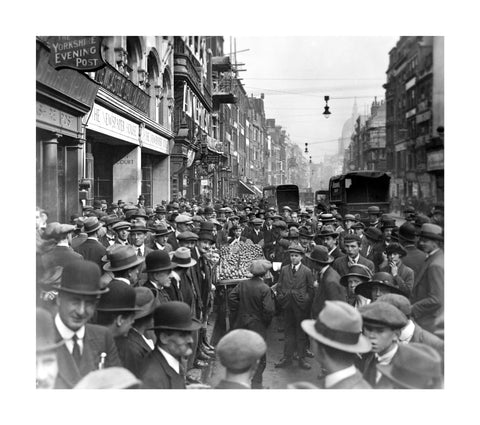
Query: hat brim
[
  {"x": 432, "y": 236},
  {"x": 365, "y": 289},
  {"x": 94, "y": 229},
  {"x": 77, "y": 292},
  {"x": 334, "y": 234},
  {"x": 387, "y": 371},
  {"x": 131, "y": 309},
  {"x": 190, "y": 264},
  {"x": 193, "y": 326},
  {"x": 362, "y": 346},
  {"x": 329, "y": 261},
  {"x": 50, "y": 347},
  {"x": 344, "y": 278},
  {"x": 145, "y": 310},
  {"x": 108, "y": 267},
  {"x": 159, "y": 269},
  {"x": 162, "y": 234}
]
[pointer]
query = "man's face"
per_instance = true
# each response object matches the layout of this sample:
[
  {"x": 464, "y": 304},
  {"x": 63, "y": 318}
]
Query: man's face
[
  {"x": 269, "y": 221},
  {"x": 348, "y": 224},
  {"x": 163, "y": 278},
  {"x": 47, "y": 370},
  {"x": 178, "y": 344},
  {"x": 204, "y": 246},
  {"x": 122, "y": 234},
  {"x": 161, "y": 240},
  {"x": 381, "y": 337},
  {"x": 257, "y": 227},
  {"x": 304, "y": 241},
  {"x": 76, "y": 310},
  {"x": 126, "y": 324},
  {"x": 378, "y": 291},
  {"x": 373, "y": 218},
  {"x": 352, "y": 283},
  {"x": 294, "y": 216},
  {"x": 134, "y": 274},
  {"x": 358, "y": 231},
  {"x": 393, "y": 257},
  {"x": 138, "y": 238},
  {"x": 329, "y": 242},
  {"x": 387, "y": 234},
  {"x": 352, "y": 249},
  {"x": 426, "y": 245},
  {"x": 295, "y": 258}
]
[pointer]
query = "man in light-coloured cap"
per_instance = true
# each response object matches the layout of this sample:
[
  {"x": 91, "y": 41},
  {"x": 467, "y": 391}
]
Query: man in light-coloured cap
[
  {"x": 337, "y": 333},
  {"x": 252, "y": 306},
  {"x": 92, "y": 249},
  {"x": 112, "y": 378},
  {"x": 183, "y": 223},
  {"x": 240, "y": 352},
  {"x": 62, "y": 253}
]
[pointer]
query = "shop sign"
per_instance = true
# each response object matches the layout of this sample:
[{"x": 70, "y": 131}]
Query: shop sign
[
  {"x": 80, "y": 53},
  {"x": 114, "y": 125},
  {"x": 57, "y": 118},
  {"x": 154, "y": 141},
  {"x": 435, "y": 160}
]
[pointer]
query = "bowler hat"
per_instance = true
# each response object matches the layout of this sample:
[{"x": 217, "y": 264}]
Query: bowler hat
[
  {"x": 182, "y": 257},
  {"x": 121, "y": 225},
  {"x": 395, "y": 247},
  {"x": 91, "y": 224},
  {"x": 129, "y": 213},
  {"x": 207, "y": 226},
  {"x": 415, "y": 366},
  {"x": 382, "y": 279},
  {"x": 176, "y": 316},
  {"x": 352, "y": 238},
  {"x": 408, "y": 232},
  {"x": 160, "y": 210},
  {"x": 81, "y": 277},
  {"x": 339, "y": 325},
  {"x": 97, "y": 204},
  {"x": 109, "y": 378},
  {"x": 206, "y": 236},
  {"x": 388, "y": 223},
  {"x": 240, "y": 349},
  {"x": 304, "y": 232},
  {"x": 55, "y": 230},
  {"x": 187, "y": 236},
  {"x": 157, "y": 261},
  {"x": 420, "y": 219},
  {"x": 296, "y": 247},
  {"x": 327, "y": 230},
  {"x": 373, "y": 234},
  {"x": 46, "y": 332},
  {"x": 431, "y": 231},
  {"x": 320, "y": 255},
  {"x": 138, "y": 226},
  {"x": 281, "y": 224},
  {"x": 122, "y": 258},
  {"x": 120, "y": 297},
  {"x": 145, "y": 302},
  {"x": 259, "y": 267},
  {"x": 161, "y": 230},
  {"x": 383, "y": 314},
  {"x": 373, "y": 210},
  {"x": 399, "y": 301},
  {"x": 358, "y": 270}
]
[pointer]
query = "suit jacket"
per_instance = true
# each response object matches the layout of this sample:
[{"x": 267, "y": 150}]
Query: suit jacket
[
  {"x": 354, "y": 382},
  {"x": 329, "y": 288},
  {"x": 414, "y": 258},
  {"x": 60, "y": 256},
  {"x": 342, "y": 267},
  {"x": 97, "y": 340},
  {"x": 369, "y": 371},
  {"x": 160, "y": 293},
  {"x": 425, "y": 337},
  {"x": 157, "y": 373},
  {"x": 428, "y": 293},
  {"x": 228, "y": 385},
  {"x": 404, "y": 278},
  {"x": 295, "y": 289},
  {"x": 92, "y": 250},
  {"x": 133, "y": 351},
  {"x": 173, "y": 241},
  {"x": 250, "y": 234},
  {"x": 336, "y": 253}
]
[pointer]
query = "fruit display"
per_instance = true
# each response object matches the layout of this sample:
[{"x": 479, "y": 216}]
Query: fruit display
[{"x": 236, "y": 259}]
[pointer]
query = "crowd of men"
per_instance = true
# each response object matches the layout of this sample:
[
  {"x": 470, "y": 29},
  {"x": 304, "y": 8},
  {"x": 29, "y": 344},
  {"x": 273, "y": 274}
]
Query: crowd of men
[{"x": 125, "y": 293}]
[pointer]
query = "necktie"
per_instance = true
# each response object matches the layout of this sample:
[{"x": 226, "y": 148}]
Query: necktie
[
  {"x": 294, "y": 269},
  {"x": 139, "y": 252},
  {"x": 76, "y": 350}
]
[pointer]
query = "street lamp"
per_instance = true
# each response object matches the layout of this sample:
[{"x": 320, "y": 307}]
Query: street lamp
[{"x": 326, "y": 112}]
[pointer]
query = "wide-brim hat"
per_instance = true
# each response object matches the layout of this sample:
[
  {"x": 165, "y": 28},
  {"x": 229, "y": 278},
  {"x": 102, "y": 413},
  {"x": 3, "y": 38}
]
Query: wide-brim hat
[
  {"x": 120, "y": 297},
  {"x": 395, "y": 247},
  {"x": 145, "y": 302},
  {"x": 46, "y": 332},
  {"x": 320, "y": 255},
  {"x": 55, "y": 230},
  {"x": 327, "y": 230},
  {"x": 296, "y": 248},
  {"x": 414, "y": 366},
  {"x": 339, "y": 325},
  {"x": 138, "y": 226},
  {"x": 160, "y": 230},
  {"x": 122, "y": 258},
  {"x": 91, "y": 224},
  {"x": 158, "y": 261},
  {"x": 81, "y": 277},
  {"x": 182, "y": 257},
  {"x": 357, "y": 270},
  {"x": 431, "y": 231},
  {"x": 373, "y": 233},
  {"x": 176, "y": 316},
  {"x": 383, "y": 279},
  {"x": 305, "y": 232}
]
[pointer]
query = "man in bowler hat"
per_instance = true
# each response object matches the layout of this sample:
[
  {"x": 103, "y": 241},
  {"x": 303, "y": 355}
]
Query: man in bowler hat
[
  {"x": 159, "y": 277},
  {"x": 337, "y": 332},
  {"x": 92, "y": 249},
  {"x": 88, "y": 347},
  {"x": 173, "y": 326},
  {"x": 408, "y": 237}
]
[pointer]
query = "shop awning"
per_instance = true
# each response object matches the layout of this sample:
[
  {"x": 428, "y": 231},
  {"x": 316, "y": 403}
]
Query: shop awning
[
  {"x": 243, "y": 188},
  {"x": 256, "y": 189}
]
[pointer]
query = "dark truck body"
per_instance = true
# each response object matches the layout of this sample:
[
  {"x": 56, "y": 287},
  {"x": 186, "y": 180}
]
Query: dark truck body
[{"x": 280, "y": 196}]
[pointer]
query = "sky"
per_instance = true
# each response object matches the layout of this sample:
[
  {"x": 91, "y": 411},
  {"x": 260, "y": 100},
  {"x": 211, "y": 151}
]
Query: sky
[{"x": 295, "y": 73}]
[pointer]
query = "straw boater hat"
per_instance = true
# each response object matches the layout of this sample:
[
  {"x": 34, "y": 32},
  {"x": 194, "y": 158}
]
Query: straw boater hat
[{"x": 339, "y": 325}]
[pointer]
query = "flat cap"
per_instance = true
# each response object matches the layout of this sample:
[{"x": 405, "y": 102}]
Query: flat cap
[
  {"x": 257, "y": 221},
  {"x": 399, "y": 301},
  {"x": 56, "y": 230},
  {"x": 240, "y": 349},
  {"x": 183, "y": 218},
  {"x": 350, "y": 217},
  {"x": 352, "y": 238},
  {"x": 259, "y": 267},
  {"x": 280, "y": 223},
  {"x": 296, "y": 247},
  {"x": 382, "y": 313},
  {"x": 187, "y": 236},
  {"x": 121, "y": 225}
]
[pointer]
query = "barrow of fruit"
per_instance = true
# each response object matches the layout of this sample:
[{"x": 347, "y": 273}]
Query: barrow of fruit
[{"x": 235, "y": 261}]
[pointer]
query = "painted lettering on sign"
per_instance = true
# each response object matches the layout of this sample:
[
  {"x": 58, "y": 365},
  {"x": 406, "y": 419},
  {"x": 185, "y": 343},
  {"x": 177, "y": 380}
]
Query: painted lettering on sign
[{"x": 80, "y": 53}]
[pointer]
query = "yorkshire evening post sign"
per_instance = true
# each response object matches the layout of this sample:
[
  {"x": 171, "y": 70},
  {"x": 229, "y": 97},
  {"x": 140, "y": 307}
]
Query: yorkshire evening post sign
[{"x": 80, "y": 53}]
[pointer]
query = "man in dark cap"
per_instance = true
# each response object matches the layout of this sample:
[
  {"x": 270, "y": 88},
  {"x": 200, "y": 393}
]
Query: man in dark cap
[
  {"x": 252, "y": 307},
  {"x": 46, "y": 351},
  {"x": 88, "y": 347},
  {"x": 92, "y": 249},
  {"x": 352, "y": 249},
  {"x": 173, "y": 326},
  {"x": 295, "y": 294},
  {"x": 428, "y": 291},
  {"x": 337, "y": 332},
  {"x": 415, "y": 258},
  {"x": 382, "y": 324},
  {"x": 403, "y": 275},
  {"x": 240, "y": 351},
  {"x": 328, "y": 237}
]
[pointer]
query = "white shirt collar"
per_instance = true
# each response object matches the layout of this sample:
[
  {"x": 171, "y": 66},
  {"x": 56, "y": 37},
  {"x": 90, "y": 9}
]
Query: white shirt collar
[
  {"x": 67, "y": 334},
  {"x": 354, "y": 259},
  {"x": 141, "y": 248},
  {"x": 296, "y": 267},
  {"x": 63, "y": 243},
  {"x": 123, "y": 279},
  {"x": 433, "y": 252},
  {"x": 340, "y": 375},
  {"x": 172, "y": 361},
  {"x": 385, "y": 359},
  {"x": 160, "y": 247},
  {"x": 93, "y": 238},
  {"x": 407, "y": 332}
]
